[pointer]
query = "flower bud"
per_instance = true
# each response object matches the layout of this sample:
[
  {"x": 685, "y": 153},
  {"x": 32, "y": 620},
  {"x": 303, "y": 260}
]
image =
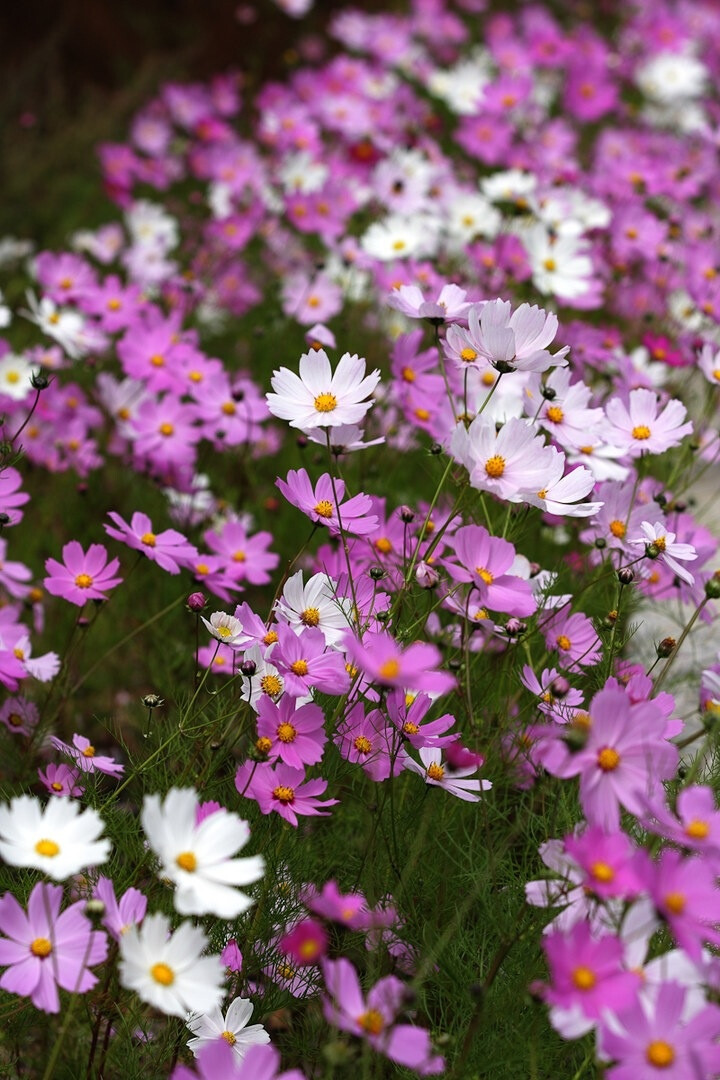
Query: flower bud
[
  {"x": 626, "y": 575},
  {"x": 665, "y": 647},
  {"x": 4, "y": 519},
  {"x": 652, "y": 551},
  {"x": 549, "y": 393},
  {"x": 94, "y": 908},
  {"x": 436, "y": 449},
  {"x": 152, "y": 701},
  {"x": 426, "y": 575},
  {"x": 39, "y": 380},
  {"x": 248, "y": 668},
  {"x": 407, "y": 514},
  {"x": 196, "y": 601},
  {"x": 600, "y": 543},
  {"x": 559, "y": 687},
  {"x": 712, "y": 587},
  {"x": 377, "y": 573},
  {"x": 514, "y": 627}
]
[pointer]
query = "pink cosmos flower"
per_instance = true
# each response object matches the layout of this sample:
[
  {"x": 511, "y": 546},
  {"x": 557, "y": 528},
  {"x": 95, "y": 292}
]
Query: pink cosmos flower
[
  {"x": 61, "y": 780},
  {"x": 407, "y": 714},
  {"x": 588, "y": 972},
  {"x": 83, "y": 575},
  {"x": 513, "y": 340},
  {"x": 551, "y": 702},
  {"x": 305, "y": 662},
  {"x": 217, "y": 1061},
  {"x": 120, "y": 913},
  {"x": 449, "y": 307},
  {"x": 306, "y": 942},
  {"x": 625, "y": 757},
  {"x": 437, "y": 774},
  {"x": 639, "y": 428},
  {"x": 373, "y": 1018},
  {"x": 11, "y": 498},
  {"x": 86, "y": 759},
  {"x": 169, "y": 549},
  {"x": 232, "y": 957},
  {"x": 657, "y": 536},
  {"x": 383, "y": 661},
  {"x": 697, "y": 825},
  {"x": 282, "y": 789},
  {"x": 248, "y": 557},
  {"x": 608, "y": 861},
  {"x": 349, "y": 909},
  {"x": 510, "y": 463},
  {"x": 319, "y": 397},
  {"x": 485, "y": 561},
  {"x": 654, "y": 1039},
  {"x": 320, "y": 506},
  {"x": 574, "y": 637},
  {"x": 685, "y": 893},
  {"x": 19, "y": 715},
  {"x": 296, "y": 735},
  {"x": 45, "y": 949},
  {"x": 367, "y": 740}
]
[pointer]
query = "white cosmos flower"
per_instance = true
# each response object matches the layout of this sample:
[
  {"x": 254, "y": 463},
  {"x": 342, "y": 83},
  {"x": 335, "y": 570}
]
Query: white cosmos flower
[
  {"x": 198, "y": 858},
  {"x": 315, "y": 603},
  {"x": 658, "y": 536},
  {"x": 59, "y": 839},
  {"x": 232, "y": 1027},
  {"x": 319, "y": 397},
  {"x": 226, "y": 628},
  {"x": 15, "y": 375},
  {"x": 400, "y": 237},
  {"x": 168, "y": 971}
]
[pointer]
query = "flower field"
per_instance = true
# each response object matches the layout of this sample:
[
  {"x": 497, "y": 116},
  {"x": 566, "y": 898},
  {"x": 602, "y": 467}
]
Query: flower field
[{"x": 348, "y": 471}]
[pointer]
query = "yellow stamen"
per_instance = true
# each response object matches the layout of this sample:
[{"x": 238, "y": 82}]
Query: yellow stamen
[
  {"x": 48, "y": 848},
  {"x": 495, "y": 466},
  {"x": 162, "y": 974},
  {"x": 187, "y": 861},
  {"x": 608, "y": 759},
  {"x": 40, "y": 947},
  {"x": 83, "y": 581},
  {"x": 325, "y": 402}
]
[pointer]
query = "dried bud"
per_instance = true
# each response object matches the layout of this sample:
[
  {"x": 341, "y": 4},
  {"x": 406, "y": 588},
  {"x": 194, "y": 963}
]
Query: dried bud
[
  {"x": 406, "y": 514},
  {"x": 248, "y": 668},
  {"x": 196, "y": 602},
  {"x": 665, "y": 647},
  {"x": 426, "y": 575},
  {"x": 626, "y": 575}
]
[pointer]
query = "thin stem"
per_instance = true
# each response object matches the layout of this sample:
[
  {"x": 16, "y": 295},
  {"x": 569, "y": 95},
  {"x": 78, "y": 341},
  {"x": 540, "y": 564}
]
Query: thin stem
[{"x": 671, "y": 659}]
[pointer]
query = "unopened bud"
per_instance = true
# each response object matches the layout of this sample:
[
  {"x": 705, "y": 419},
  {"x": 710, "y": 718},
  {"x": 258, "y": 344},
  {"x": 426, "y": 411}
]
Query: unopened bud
[
  {"x": 535, "y": 569},
  {"x": 665, "y": 647},
  {"x": 39, "y": 380},
  {"x": 196, "y": 602},
  {"x": 712, "y": 587},
  {"x": 4, "y": 519},
  {"x": 152, "y": 701},
  {"x": 301, "y": 442},
  {"x": 83, "y": 622},
  {"x": 248, "y": 668},
  {"x": 652, "y": 551},
  {"x": 436, "y": 449},
  {"x": 549, "y": 393},
  {"x": 514, "y": 627},
  {"x": 626, "y": 575},
  {"x": 377, "y": 573},
  {"x": 426, "y": 575},
  {"x": 600, "y": 543},
  {"x": 94, "y": 908},
  {"x": 559, "y": 687},
  {"x": 407, "y": 514}
]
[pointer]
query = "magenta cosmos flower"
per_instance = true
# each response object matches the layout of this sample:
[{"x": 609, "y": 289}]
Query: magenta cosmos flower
[
  {"x": 320, "y": 505},
  {"x": 652, "y": 1040},
  {"x": 685, "y": 893},
  {"x": 85, "y": 756},
  {"x": 383, "y": 661},
  {"x": 319, "y": 397},
  {"x": 282, "y": 789},
  {"x": 588, "y": 972},
  {"x": 373, "y": 1018},
  {"x": 486, "y": 561},
  {"x": 169, "y": 549},
  {"x": 217, "y": 1061},
  {"x": 639, "y": 428},
  {"x": 82, "y": 576},
  {"x": 45, "y": 949},
  {"x": 294, "y": 735}
]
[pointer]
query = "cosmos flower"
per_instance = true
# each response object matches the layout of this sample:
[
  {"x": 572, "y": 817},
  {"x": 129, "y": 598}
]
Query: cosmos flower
[{"x": 319, "y": 397}]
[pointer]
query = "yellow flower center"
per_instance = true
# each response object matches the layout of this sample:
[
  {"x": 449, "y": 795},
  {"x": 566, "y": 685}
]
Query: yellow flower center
[
  {"x": 89, "y": 752},
  {"x": 228, "y": 408},
  {"x": 468, "y": 355},
  {"x": 324, "y": 508},
  {"x": 263, "y": 744},
  {"x": 166, "y": 429},
  {"x": 114, "y": 305},
  {"x": 618, "y": 528},
  {"x": 284, "y": 794},
  {"x": 390, "y": 669},
  {"x": 157, "y": 360},
  {"x": 362, "y": 745},
  {"x": 383, "y": 545},
  {"x": 271, "y": 685},
  {"x": 56, "y": 787},
  {"x": 659, "y": 543},
  {"x": 563, "y": 642},
  {"x": 299, "y": 667},
  {"x": 697, "y": 829},
  {"x": 239, "y": 556},
  {"x": 608, "y": 759},
  {"x": 286, "y": 733},
  {"x": 484, "y": 574},
  {"x": 187, "y": 861},
  {"x": 310, "y": 616},
  {"x": 325, "y": 402},
  {"x": 40, "y": 947},
  {"x": 228, "y": 1037},
  {"x": 285, "y": 971},
  {"x": 408, "y": 374},
  {"x": 162, "y": 974},
  {"x": 583, "y": 978},
  {"x": 409, "y": 728},
  {"x": 270, "y": 638},
  {"x": 602, "y": 872},
  {"x": 495, "y": 466},
  {"x": 83, "y": 581},
  {"x": 223, "y": 631},
  {"x": 48, "y": 848},
  {"x": 550, "y": 265},
  {"x": 660, "y": 1054},
  {"x": 555, "y": 414},
  {"x": 642, "y": 431},
  {"x": 435, "y": 772},
  {"x": 675, "y": 902},
  {"x": 148, "y": 539},
  {"x": 371, "y": 1022}
]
